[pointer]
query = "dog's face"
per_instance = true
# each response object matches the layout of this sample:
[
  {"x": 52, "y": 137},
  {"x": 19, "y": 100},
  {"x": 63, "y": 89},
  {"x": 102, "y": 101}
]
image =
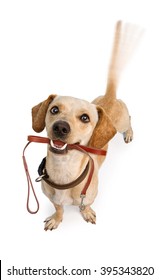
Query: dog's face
[{"x": 73, "y": 120}]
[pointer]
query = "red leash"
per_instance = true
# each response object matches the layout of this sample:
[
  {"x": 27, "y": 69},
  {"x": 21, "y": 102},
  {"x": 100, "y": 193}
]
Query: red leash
[
  {"x": 81, "y": 148},
  {"x": 30, "y": 185}
]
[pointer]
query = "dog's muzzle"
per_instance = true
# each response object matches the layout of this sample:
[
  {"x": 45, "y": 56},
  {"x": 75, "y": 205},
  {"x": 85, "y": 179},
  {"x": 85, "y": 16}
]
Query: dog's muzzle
[{"x": 61, "y": 130}]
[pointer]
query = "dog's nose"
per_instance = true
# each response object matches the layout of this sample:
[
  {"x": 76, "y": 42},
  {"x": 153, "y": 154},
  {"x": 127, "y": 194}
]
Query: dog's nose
[{"x": 61, "y": 129}]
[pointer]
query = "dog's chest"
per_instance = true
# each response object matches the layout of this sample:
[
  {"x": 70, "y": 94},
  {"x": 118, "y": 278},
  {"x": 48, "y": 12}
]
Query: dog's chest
[
  {"x": 62, "y": 197},
  {"x": 65, "y": 176},
  {"x": 65, "y": 170}
]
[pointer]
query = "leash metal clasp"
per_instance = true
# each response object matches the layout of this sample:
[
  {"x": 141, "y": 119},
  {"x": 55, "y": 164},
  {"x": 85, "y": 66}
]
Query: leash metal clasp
[{"x": 82, "y": 206}]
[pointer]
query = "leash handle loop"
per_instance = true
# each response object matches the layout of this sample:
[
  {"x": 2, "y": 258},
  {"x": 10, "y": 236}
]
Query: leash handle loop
[{"x": 30, "y": 185}]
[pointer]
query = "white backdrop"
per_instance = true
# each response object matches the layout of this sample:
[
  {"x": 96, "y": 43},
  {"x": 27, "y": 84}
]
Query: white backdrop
[{"x": 64, "y": 47}]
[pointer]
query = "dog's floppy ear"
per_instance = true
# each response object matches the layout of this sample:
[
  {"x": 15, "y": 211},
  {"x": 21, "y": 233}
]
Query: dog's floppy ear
[
  {"x": 103, "y": 131},
  {"x": 39, "y": 113}
]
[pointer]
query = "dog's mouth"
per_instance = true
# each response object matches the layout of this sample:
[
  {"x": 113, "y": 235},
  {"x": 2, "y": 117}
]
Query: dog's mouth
[{"x": 59, "y": 147}]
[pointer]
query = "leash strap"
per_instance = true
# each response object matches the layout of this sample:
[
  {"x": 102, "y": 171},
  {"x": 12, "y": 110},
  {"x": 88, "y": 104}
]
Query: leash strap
[
  {"x": 83, "y": 149},
  {"x": 45, "y": 140},
  {"x": 30, "y": 185}
]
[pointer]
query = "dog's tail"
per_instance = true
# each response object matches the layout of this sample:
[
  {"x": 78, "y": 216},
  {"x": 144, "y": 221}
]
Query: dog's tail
[{"x": 126, "y": 38}]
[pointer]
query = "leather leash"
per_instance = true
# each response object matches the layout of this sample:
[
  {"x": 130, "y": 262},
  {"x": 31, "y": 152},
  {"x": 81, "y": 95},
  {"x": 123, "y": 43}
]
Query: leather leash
[{"x": 89, "y": 168}]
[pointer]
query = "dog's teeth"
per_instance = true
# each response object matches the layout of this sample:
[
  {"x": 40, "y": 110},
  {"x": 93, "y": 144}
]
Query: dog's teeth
[
  {"x": 51, "y": 143},
  {"x": 63, "y": 147},
  {"x": 58, "y": 147}
]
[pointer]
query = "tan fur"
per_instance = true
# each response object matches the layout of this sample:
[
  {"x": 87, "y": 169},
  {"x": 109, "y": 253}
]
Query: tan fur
[{"x": 107, "y": 116}]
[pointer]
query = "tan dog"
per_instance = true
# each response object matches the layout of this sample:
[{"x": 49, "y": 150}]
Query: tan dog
[{"x": 73, "y": 120}]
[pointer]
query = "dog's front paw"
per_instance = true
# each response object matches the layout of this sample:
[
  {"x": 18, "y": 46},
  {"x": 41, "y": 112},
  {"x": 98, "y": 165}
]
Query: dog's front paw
[
  {"x": 52, "y": 222},
  {"x": 89, "y": 215}
]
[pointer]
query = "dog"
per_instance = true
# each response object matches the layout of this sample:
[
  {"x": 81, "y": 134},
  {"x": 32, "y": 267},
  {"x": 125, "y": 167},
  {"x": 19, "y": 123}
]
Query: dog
[{"x": 70, "y": 120}]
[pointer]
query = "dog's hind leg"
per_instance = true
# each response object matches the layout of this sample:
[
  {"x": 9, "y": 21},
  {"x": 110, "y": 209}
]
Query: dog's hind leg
[
  {"x": 53, "y": 221},
  {"x": 128, "y": 134}
]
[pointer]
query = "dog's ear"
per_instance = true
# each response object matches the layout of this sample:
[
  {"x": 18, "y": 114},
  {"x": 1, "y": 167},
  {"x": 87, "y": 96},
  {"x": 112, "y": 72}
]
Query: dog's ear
[
  {"x": 103, "y": 131},
  {"x": 39, "y": 113}
]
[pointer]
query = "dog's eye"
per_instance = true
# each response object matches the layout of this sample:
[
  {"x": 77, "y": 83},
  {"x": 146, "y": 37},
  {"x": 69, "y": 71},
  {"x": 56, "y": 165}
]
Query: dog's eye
[
  {"x": 54, "y": 110},
  {"x": 84, "y": 118}
]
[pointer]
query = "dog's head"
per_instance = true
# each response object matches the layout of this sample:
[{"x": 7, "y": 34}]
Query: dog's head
[{"x": 73, "y": 120}]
